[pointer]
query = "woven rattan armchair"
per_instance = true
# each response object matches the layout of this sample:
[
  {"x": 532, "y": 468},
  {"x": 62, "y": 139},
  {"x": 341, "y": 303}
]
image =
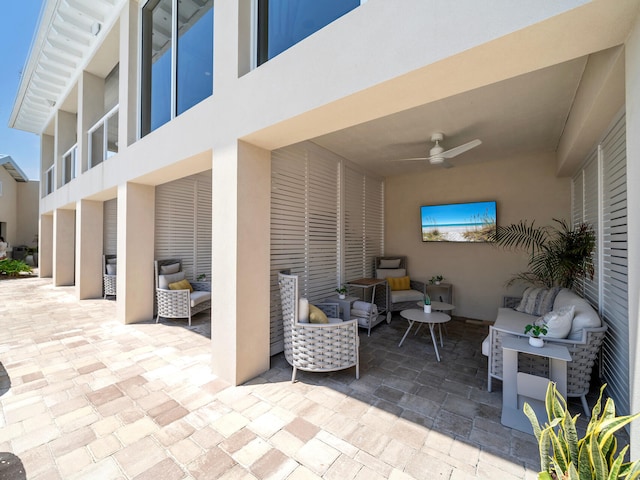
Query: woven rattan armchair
[
  {"x": 316, "y": 347},
  {"x": 179, "y": 303},
  {"x": 109, "y": 283},
  {"x": 399, "y": 299}
]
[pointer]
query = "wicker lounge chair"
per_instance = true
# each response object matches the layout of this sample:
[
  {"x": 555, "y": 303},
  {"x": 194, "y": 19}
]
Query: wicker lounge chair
[
  {"x": 398, "y": 300},
  {"x": 109, "y": 283},
  {"x": 316, "y": 347},
  {"x": 178, "y": 303}
]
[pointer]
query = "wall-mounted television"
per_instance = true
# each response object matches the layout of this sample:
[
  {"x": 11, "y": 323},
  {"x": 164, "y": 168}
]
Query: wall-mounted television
[{"x": 458, "y": 222}]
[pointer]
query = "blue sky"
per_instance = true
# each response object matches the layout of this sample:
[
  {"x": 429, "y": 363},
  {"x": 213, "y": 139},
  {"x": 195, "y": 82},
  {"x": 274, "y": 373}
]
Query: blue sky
[{"x": 19, "y": 20}]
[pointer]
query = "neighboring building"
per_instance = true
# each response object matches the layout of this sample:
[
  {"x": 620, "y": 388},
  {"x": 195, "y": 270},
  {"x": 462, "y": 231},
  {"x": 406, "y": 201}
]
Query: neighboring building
[
  {"x": 264, "y": 137},
  {"x": 19, "y": 202}
]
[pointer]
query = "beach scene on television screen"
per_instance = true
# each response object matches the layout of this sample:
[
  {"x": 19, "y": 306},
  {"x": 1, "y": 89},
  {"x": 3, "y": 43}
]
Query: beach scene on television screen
[{"x": 461, "y": 222}]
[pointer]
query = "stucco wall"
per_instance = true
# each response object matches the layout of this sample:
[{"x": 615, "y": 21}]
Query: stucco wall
[
  {"x": 524, "y": 188},
  {"x": 27, "y": 213},
  {"x": 8, "y": 213}
]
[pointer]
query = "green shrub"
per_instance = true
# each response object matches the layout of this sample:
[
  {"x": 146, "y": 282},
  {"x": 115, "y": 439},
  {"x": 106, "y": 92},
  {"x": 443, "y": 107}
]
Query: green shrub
[
  {"x": 564, "y": 456},
  {"x": 13, "y": 268}
]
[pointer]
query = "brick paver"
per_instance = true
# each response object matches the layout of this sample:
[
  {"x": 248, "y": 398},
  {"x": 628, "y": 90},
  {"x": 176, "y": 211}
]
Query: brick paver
[{"x": 84, "y": 397}]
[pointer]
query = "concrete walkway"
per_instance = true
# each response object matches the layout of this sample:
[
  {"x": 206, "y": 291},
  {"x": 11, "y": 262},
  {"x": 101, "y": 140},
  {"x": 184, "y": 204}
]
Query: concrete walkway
[{"x": 84, "y": 397}]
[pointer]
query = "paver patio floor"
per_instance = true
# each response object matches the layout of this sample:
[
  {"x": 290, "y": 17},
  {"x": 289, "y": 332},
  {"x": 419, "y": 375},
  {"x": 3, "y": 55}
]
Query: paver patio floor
[{"x": 84, "y": 397}]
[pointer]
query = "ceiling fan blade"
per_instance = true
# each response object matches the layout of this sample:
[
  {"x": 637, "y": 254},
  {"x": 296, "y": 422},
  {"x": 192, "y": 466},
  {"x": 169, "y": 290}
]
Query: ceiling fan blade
[
  {"x": 409, "y": 159},
  {"x": 460, "y": 149}
]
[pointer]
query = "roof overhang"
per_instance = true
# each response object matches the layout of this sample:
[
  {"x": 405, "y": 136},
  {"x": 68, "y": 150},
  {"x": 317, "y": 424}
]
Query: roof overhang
[
  {"x": 68, "y": 33},
  {"x": 13, "y": 169}
]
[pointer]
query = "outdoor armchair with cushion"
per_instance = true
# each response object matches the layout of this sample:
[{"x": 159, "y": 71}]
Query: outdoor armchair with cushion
[
  {"x": 396, "y": 268},
  {"x": 109, "y": 283},
  {"x": 174, "y": 297},
  {"x": 316, "y": 347},
  {"x": 585, "y": 337}
]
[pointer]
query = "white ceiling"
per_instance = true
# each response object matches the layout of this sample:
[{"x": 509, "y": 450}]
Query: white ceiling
[{"x": 521, "y": 115}]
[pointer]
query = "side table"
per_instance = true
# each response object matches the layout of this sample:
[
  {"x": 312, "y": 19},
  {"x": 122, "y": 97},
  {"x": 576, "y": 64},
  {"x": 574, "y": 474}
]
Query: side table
[
  {"x": 442, "y": 292},
  {"x": 345, "y": 304},
  {"x": 519, "y": 387}
]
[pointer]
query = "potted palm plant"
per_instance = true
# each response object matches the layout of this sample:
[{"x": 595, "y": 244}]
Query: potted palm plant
[{"x": 558, "y": 256}]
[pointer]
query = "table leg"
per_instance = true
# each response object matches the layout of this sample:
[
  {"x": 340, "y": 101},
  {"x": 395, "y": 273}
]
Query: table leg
[
  {"x": 435, "y": 342},
  {"x": 406, "y": 333}
]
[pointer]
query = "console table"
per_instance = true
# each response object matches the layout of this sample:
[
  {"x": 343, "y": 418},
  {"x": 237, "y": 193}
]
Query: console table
[{"x": 519, "y": 387}]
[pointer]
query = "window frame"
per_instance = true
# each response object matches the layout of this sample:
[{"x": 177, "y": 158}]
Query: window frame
[
  {"x": 145, "y": 22},
  {"x": 260, "y": 31}
]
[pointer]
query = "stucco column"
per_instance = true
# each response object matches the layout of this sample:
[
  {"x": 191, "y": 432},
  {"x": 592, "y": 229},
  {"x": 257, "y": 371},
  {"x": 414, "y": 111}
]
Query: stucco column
[
  {"x": 632, "y": 80},
  {"x": 64, "y": 226},
  {"x": 128, "y": 78},
  {"x": 45, "y": 246},
  {"x": 89, "y": 227},
  {"x": 241, "y": 252},
  {"x": 136, "y": 228}
]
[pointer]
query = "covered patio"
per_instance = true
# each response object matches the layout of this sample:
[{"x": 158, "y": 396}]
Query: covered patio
[{"x": 83, "y": 396}]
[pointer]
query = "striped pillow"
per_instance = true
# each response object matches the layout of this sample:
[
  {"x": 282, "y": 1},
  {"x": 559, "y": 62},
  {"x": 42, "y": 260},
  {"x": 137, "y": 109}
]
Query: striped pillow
[{"x": 538, "y": 301}]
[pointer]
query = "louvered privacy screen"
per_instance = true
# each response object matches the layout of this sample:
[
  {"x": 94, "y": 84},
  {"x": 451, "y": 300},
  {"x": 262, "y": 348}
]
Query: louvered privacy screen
[
  {"x": 605, "y": 208},
  {"x": 183, "y": 223},
  {"x": 310, "y": 234},
  {"x": 110, "y": 229}
]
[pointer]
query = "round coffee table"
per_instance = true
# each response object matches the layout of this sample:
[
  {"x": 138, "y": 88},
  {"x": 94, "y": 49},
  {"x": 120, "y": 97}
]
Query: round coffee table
[{"x": 414, "y": 315}]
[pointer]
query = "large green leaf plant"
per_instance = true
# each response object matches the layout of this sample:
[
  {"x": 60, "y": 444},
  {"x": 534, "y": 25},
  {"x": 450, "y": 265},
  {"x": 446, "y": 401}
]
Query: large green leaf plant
[
  {"x": 558, "y": 256},
  {"x": 565, "y": 456}
]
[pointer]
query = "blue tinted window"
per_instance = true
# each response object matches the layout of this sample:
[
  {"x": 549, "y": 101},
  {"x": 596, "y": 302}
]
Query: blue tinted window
[
  {"x": 190, "y": 79},
  {"x": 195, "y": 56},
  {"x": 284, "y": 23}
]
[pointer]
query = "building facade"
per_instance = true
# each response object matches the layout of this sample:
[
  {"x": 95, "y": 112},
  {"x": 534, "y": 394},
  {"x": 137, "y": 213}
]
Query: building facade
[
  {"x": 19, "y": 201},
  {"x": 257, "y": 135}
]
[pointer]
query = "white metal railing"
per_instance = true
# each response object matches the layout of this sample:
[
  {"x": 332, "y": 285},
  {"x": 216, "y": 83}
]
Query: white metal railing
[
  {"x": 103, "y": 138},
  {"x": 49, "y": 176},
  {"x": 69, "y": 164}
]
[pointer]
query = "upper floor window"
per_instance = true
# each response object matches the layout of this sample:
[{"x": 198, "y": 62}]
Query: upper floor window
[
  {"x": 283, "y": 23},
  {"x": 177, "y": 58}
]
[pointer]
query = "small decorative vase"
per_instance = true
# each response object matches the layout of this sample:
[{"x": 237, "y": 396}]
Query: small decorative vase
[
  {"x": 536, "y": 342},
  {"x": 342, "y": 296},
  {"x": 437, "y": 283},
  {"x": 427, "y": 309}
]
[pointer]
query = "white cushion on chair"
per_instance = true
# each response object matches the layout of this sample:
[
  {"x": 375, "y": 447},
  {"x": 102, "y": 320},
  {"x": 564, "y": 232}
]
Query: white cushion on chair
[
  {"x": 398, "y": 296},
  {"x": 303, "y": 311},
  {"x": 169, "y": 269},
  {"x": 389, "y": 263},
  {"x": 165, "y": 280},
  {"x": 391, "y": 272},
  {"x": 197, "y": 297},
  {"x": 111, "y": 269}
]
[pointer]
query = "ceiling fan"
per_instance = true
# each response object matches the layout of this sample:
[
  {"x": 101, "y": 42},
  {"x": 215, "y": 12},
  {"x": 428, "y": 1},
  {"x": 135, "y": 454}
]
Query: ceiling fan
[{"x": 438, "y": 155}]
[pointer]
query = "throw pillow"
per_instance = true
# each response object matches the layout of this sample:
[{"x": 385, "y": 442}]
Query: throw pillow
[
  {"x": 558, "y": 322},
  {"x": 303, "y": 311},
  {"x": 316, "y": 315},
  {"x": 537, "y": 301},
  {"x": 399, "y": 283},
  {"x": 181, "y": 285},
  {"x": 111, "y": 269},
  {"x": 389, "y": 263},
  {"x": 168, "y": 269},
  {"x": 165, "y": 280}
]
